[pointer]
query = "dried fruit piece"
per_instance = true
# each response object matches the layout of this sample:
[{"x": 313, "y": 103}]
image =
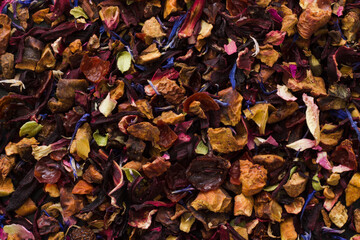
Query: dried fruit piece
[
  {"x": 5, "y": 31},
  {"x": 338, "y": 215},
  {"x": 150, "y": 54},
  {"x": 313, "y": 17},
  {"x": 253, "y": 177},
  {"x": 27, "y": 208},
  {"x": 283, "y": 112},
  {"x": 91, "y": 175},
  {"x": 217, "y": 200},
  {"x": 270, "y": 161},
  {"x": 231, "y": 114},
  {"x": 170, "y": 118},
  {"x": 152, "y": 28},
  {"x": 314, "y": 85},
  {"x": 65, "y": 93},
  {"x": 156, "y": 167},
  {"x": 287, "y": 229},
  {"x": 296, "y": 206},
  {"x": 81, "y": 143},
  {"x": 6, "y": 187},
  {"x": 144, "y": 131},
  {"x": 94, "y": 68},
  {"x": 243, "y": 205},
  {"x": 352, "y": 191},
  {"x": 268, "y": 55},
  {"x": 223, "y": 141},
  {"x": 267, "y": 208},
  {"x": 7, "y": 65},
  {"x": 82, "y": 187},
  {"x": 330, "y": 136},
  {"x": 295, "y": 185},
  {"x": 357, "y": 220},
  {"x": 6, "y": 165},
  {"x": 171, "y": 6},
  {"x": 145, "y": 108},
  {"x": 171, "y": 91}
]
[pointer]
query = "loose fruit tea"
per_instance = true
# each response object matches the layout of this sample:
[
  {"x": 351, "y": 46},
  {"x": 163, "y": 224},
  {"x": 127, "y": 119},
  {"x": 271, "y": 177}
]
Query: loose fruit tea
[{"x": 179, "y": 119}]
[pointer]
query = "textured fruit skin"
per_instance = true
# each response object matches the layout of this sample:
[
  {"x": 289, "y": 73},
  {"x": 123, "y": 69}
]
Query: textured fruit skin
[
  {"x": 311, "y": 20},
  {"x": 82, "y": 234}
]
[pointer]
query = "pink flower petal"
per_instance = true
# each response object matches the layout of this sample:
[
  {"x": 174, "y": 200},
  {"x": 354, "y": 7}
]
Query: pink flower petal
[{"x": 230, "y": 48}]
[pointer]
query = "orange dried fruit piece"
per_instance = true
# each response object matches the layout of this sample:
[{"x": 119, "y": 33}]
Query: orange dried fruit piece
[
  {"x": 81, "y": 142},
  {"x": 27, "y": 208},
  {"x": 6, "y": 165},
  {"x": 267, "y": 208},
  {"x": 91, "y": 175},
  {"x": 296, "y": 206},
  {"x": 52, "y": 189},
  {"x": 269, "y": 161},
  {"x": 330, "y": 136},
  {"x": 268, "y": 55},
  {"x": 352, "y": 191},
  {"x": 170, "y": 90},
  {"x": 156, "y": 168},
  {"x": 170, "y": 118},
  {"x": 231, "y": 115},
  {"x": 152, "y": 28},
  {"x": 6, "y": 187},
  {"x": 313, "y": 18},
  {"x": 118, "y": 91},
  {"x": 217, "y": 200},
  {"x": 253, "y": 177},
  {"x": 295, "y": 185},
  {"x": 243, "y": 205},
  {"x": 94, "y": 68},
  {"x": 223, "y": 141},
  {"x": 5, "y": 32},
  {"x": 287, "y": 229},
  {"x": 145, "y": 108},
  {"x": 314, "y": 85},
  {"x": 144, "y": 131},
  {"x": 149, "y": 55},
  {"x": 82, "y": 188},
  {"x": 171, "y": 6}
]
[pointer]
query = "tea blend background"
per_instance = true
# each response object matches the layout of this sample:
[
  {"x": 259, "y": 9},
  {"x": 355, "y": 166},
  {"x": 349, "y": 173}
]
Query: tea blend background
[{"x": 179, "y": 119}]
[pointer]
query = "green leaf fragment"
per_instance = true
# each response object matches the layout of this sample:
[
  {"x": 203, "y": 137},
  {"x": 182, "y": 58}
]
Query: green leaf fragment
[
  {"x": 30, "y": 129},
  {"x": 78, "y": 12},
  {"x": 131, "y": 174},
  {"x": 316, "y": 183},
  {"x": 100, "y": 139},
  {"x": 124, "y": 61},
  {"x": 201, "y": 148},
  {"x": 271, "y": 188}
]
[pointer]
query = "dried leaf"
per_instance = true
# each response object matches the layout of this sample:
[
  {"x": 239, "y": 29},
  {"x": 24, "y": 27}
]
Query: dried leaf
[
  {"x": 123, "y": 61},
  {"x": 78, "y": 12}
]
